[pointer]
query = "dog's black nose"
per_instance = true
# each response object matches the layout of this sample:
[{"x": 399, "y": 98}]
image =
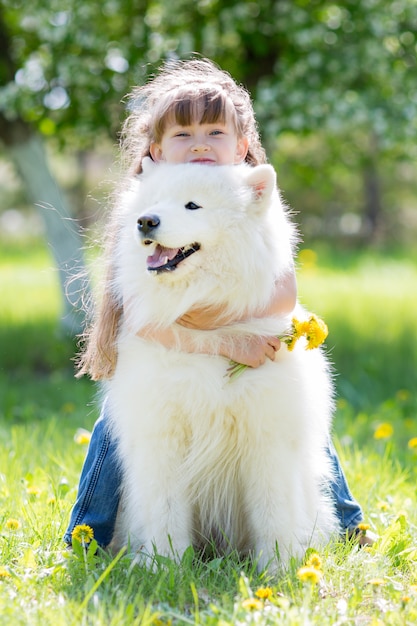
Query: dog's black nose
[{"x": 146, "y": 223}]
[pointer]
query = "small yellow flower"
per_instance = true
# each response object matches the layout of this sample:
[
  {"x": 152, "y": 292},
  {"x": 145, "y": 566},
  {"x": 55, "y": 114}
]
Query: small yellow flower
[
  {"x": 264, "y": 593},
  {"x": 82, "y": 437},
  {"x": 4, "y": 573},
  {"x": 51, "y": 501},
  {"x": 252, "y": 604},
  {"x": 314, "y": 330},
  {"x": 363, "y": 527},
  {"x": 377, "y": 582},
  {"x": 383, "y": 431},
  {"x": 12, "y": 524},
  {"x": 412, "y": 444},
  {"x": 33, "y": 491},
  {"x": 383, "y": 506},
  {"x": 310, "y": 575},
  {"x": 317, "y": 332},
  {"x": 314, "y": 561},
  {"x": 83, "y": 533},
  {"x": 307, "y": 258},
  {"x": 298, "y": 329}
]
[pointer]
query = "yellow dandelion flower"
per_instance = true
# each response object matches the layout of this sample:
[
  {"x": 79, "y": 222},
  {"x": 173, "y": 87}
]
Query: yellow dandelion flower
[
  {"x": 314, "y": 561},
  {"x": 252, "y": 604},
  {"x": 4, "y": 573},
  {"x": 51, "y": 501},
  {"x": 83, "y": 533},
  {"x": 82, "y": 437},
  {"x": 310, "y": 575},
  {"x": 405, "y": 600},
  {"x": 412, "y": 444},
  {"x": 377, "y": 582},
  {"x": 12, "y": 524},
  {"x": 33, "y": 491},
  {"x": 317, "y": 332},
  {"x": 383, "y": 506},
  {"x": 307, "y": 258},
  {"x": 264, "y": 593},
  {"x": 363, "y": 527},
  {"x": 383, "y": 431}
]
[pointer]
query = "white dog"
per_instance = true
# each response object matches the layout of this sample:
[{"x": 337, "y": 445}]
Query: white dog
[{"x": 240, "y": 462}]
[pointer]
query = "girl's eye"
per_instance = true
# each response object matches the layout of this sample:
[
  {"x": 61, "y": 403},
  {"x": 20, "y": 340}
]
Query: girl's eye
[
  {"x": 216, "y": 132},
  {"x": 192, "y": 206}
]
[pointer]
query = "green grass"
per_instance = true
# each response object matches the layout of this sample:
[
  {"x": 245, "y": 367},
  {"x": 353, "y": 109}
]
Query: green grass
[{"x": 367, "y": 301}]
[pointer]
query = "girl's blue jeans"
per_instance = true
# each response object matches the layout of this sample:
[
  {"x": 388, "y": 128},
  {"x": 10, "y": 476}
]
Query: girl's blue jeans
[{"x": 98, "y": 492}]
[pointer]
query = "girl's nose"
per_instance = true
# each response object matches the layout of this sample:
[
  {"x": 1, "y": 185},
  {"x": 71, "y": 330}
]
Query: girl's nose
[{"x": 200, "y": 146}]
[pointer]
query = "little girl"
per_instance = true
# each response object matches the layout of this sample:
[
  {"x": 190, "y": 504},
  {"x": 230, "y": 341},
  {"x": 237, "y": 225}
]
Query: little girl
[{"x": 190, "y": 112}]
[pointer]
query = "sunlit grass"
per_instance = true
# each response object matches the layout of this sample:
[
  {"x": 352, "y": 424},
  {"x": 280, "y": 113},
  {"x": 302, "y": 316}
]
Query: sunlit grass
[
  {"x": 368, "y": 303},
  {"x": 29, "y": 284}
]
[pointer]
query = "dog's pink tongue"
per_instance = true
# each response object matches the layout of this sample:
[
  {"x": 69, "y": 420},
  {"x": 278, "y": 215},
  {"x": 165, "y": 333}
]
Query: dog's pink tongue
[{"x": 161, "y": 256}]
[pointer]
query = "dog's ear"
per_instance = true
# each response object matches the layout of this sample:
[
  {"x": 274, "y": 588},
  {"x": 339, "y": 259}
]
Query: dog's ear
[
  {"x": 147, "y": 165},
  {"x": 262, "y": 180}
]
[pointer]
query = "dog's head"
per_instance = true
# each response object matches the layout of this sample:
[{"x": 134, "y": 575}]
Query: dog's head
[
  {"x": 203, "y": 236},
  {"x": 184, "y": 209}
]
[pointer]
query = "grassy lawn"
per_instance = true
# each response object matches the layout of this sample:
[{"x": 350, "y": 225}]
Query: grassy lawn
[{"x": 368, "y": 302}]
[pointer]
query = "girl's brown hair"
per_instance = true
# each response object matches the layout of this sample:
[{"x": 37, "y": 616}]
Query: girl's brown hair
[
  {"x": 183, "y": 92},
  {"x": 186, "y": 91}
]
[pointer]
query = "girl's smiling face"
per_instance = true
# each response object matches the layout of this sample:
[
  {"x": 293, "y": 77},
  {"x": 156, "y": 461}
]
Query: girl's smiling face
[{"x": 215, "y": 143}]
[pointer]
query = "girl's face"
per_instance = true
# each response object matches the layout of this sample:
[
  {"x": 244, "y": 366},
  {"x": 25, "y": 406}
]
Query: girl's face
[{"x": 209, "y": 143}]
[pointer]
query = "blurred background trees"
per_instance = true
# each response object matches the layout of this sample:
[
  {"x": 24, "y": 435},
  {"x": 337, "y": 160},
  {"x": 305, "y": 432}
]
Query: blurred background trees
[{"x": 334, "y": 86}]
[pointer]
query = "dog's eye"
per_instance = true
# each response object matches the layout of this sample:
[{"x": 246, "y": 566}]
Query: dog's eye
[{"x": 192, "y": 206}]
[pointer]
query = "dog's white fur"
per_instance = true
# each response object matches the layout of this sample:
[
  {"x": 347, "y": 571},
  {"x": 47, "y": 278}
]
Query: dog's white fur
[{"x": 241, "y": 462}]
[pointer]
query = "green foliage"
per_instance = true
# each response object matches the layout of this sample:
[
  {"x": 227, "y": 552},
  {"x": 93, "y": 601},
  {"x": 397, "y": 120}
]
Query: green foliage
[
  {"x": 343, "y": 73},
  {"x": 310, "y": 64}
]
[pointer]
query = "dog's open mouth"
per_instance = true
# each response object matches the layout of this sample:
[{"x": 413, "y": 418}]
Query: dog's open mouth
[{"x": 167, "y": 259}]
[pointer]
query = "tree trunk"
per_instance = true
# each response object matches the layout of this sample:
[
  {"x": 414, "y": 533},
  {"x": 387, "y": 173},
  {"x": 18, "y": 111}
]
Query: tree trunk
[
  {"x": 26, "y": 149},
  {"x": 29, "y": 156}
]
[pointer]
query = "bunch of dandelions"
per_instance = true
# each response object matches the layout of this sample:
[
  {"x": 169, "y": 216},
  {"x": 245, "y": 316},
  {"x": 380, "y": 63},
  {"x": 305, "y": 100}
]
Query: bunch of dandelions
[{"x": 313, "y": 329}]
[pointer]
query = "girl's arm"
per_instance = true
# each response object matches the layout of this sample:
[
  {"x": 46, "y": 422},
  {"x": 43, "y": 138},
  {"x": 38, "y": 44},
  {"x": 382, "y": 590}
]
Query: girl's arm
[
  {"x": 284, "y": 297},
  {"x": 282, "y": 302},
  {"x": 252, "y": 350}
]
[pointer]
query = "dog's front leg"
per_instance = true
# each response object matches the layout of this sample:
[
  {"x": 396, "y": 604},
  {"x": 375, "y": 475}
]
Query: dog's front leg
[
  {"x": 274, "y": 505},
  {"x": 167, "y": 526},
  {"x": 158, "y": 510}
]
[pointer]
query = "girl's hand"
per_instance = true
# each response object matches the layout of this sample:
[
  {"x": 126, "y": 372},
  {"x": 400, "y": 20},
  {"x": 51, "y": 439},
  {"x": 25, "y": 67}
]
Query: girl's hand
[
  {"x": 252, "y": 351},
  {"x": 204, "y": 319}
]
